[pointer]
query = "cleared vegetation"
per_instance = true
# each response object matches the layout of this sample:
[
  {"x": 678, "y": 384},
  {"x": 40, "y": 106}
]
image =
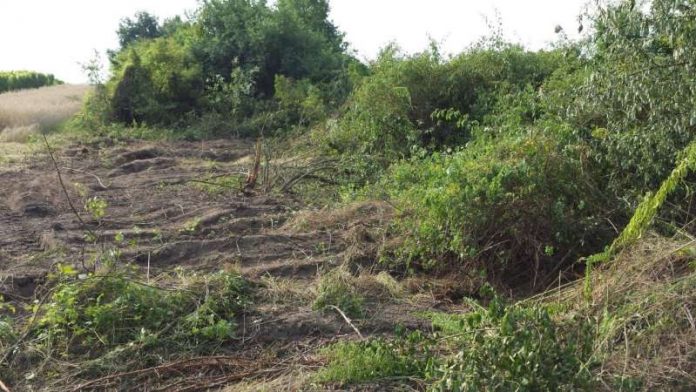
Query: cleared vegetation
[{"x": 243, "y": 205}]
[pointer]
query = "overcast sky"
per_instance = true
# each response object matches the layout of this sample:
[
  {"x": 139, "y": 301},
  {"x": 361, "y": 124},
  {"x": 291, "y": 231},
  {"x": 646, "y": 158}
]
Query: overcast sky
[{"x": 54, "y": 36}]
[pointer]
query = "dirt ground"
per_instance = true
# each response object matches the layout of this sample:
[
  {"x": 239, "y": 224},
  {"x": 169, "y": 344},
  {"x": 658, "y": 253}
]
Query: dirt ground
[{"x": 165, "y": 202}]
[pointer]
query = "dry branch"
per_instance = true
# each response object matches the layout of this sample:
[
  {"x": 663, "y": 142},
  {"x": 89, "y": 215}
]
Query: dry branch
[
  {"x": 168, "y": 367},
  {"x": 104, "y": 187},
  {"x": 347, "y": 321}
]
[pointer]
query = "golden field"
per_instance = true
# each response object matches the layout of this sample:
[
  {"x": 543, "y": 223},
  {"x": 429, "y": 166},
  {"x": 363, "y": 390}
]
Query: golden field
[{"x": 25, "y": 112}]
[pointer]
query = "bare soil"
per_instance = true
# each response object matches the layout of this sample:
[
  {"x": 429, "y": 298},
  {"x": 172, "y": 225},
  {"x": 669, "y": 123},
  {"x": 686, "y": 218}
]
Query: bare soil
[{"x": 164, "y": 200}]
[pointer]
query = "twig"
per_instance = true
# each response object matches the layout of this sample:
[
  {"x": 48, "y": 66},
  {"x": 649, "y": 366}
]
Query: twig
[
  {"x": 318, "y": 166},
  {"x": 148, "y": 267},
  {"x": 156, "y": 369},
  {"x": 690, "y": 317},
  {"x": 105, "y": 187},
  {"x": 4, "y": 387},
  {"x": 65, "y": 190},
  {"x": 347, "y": 321},
  {"x": 254, "y": 173}
]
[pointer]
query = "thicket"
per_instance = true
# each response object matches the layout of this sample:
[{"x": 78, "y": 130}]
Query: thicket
[
  {"x": 237, "y": 67},
  {"x": 20, "y": 80},
  {"x": 522, "y": 202}
]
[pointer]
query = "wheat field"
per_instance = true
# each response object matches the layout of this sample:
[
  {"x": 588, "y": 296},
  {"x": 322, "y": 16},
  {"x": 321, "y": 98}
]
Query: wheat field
[{"x": 25, "y": 112}]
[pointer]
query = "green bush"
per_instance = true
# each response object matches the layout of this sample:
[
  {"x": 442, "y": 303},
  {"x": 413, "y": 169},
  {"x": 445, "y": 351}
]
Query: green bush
[
  {"x": 156, "y": 82},
  {"x": 225, "y": 65},
  {"x": 522, "y": 203},
  {"x": 518, "y": 349},
  {"x": 635, "y": 106},
  {"x": 425, "y": 101},
  {"x": 498, "y": 348}
]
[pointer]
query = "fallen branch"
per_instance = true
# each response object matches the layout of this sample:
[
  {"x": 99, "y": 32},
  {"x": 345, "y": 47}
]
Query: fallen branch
[
  {"x": 104, "y": 187},
  {"x": 172, "y": 366},
  {"x": 4, "y": 387},
  {"x": 347, "y": 321},
  {"x": 291, "y": 182}
]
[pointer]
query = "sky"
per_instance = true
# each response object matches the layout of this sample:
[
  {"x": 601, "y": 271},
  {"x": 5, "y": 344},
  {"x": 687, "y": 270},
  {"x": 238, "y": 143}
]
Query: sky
[{"x": 54, "y": 36}]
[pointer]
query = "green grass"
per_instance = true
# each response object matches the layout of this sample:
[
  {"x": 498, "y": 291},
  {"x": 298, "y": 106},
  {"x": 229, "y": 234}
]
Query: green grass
[
  {"x": 376, "y": 359},
  {"x": 337, "y": 288}
]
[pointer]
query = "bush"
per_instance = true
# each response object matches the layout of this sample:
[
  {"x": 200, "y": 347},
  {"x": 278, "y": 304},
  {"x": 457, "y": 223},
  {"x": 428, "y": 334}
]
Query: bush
[
  {"x": 498, "y": 348},
  {"x": 156, "y": 82},
  {"x": 522, "y": 203},
  {"x": 518, "y": 349},
  {"x": 425, "y": 101},
  {"x": 635, "y": 106},
  {"x": 227, "y": 65}
]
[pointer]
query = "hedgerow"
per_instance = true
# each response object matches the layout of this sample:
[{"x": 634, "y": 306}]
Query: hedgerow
[{"x": 19, "y": 80}]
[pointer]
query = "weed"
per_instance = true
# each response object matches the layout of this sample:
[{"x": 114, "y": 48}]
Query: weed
[
  {"x": 516, "y": 349},
  {"x": 100, "y": 312},
  {"x": 96, "y": 207},
  {"x": 337, "y": 288},
  {"x": 351, "y": 362},
  {"x": 191, "y": 226}
]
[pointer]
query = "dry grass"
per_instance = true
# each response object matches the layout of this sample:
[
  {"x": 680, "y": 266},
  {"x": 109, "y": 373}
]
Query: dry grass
[
  {"x": 644, "y": 306},
  {"x": 369, "y": 213},
  {"x": 25, "y": 112}
]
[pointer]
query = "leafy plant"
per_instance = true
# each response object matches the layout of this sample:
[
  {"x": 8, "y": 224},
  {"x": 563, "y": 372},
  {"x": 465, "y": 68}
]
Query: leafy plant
[
  {"x": 376, "y": 359},
  {"x": 504, "y": 201},
  {"x": 96, "y": 207},
  {"x": 517, "y": 349},
  {"x": 102, "y": 311}
]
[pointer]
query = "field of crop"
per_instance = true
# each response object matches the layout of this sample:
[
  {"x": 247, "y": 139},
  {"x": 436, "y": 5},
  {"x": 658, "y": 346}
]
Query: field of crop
[{"x": 23, "y": 113}]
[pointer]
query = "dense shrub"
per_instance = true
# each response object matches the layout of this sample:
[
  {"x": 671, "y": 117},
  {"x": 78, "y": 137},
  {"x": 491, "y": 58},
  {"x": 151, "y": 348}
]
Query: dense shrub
[
  {"x": 521, "y": 202},
  {"x": 426, "y": 101},
  {"x": 19, "y": 80},
  {"x": 156, "y": 82},
  {"x": 223, "y": 67},
  {"x": 636, "y": 107}
]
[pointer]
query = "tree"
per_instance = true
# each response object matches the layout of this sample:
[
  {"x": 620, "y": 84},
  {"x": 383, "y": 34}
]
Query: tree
[
  {"x": 142, "y": 26},
  {"x": 637, "y": 107}
]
